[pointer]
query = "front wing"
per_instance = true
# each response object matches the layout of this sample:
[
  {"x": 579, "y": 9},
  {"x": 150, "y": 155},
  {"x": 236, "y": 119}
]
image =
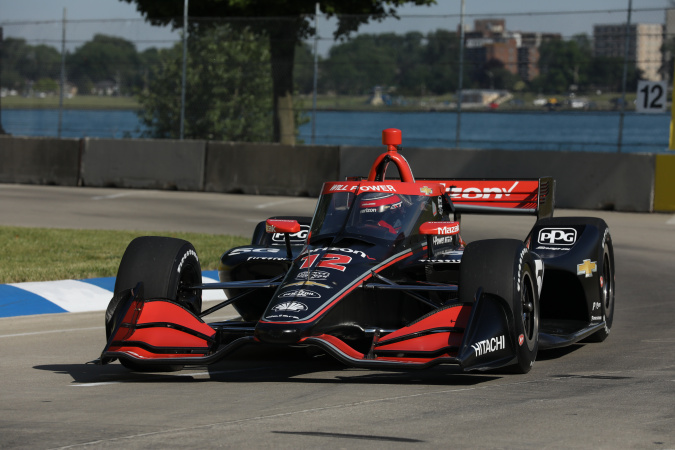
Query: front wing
[{"x": 475, "y": 336}]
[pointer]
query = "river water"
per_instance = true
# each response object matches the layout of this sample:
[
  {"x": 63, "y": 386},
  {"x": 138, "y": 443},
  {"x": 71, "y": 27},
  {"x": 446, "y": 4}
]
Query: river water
[{"x": 574, "y": 131}]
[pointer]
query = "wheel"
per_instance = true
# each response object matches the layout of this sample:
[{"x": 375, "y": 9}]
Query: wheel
[
  {"x": 606, "y": 287},
  {"x": 166, "y": 266},
  {"x": 505, "y": 267}
]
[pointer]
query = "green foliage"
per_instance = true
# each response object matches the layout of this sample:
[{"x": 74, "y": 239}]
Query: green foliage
[
  {"x": 27, "y": 63},
  {"x": 46, "y": 85},
  {"x": 105, "y": 58},
  {"x": 228, "y": 89}
]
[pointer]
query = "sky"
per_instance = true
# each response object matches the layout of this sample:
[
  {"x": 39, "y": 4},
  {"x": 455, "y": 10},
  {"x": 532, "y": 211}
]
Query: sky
[{"x": 115, "y": 17}]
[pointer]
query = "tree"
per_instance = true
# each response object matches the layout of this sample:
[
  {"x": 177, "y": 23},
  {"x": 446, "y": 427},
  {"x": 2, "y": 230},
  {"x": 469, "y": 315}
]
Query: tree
[
  {"x": 28, "y": 63},
  {"x": 360, "y": 64},
  {"x": 285, "y": 23},
  {"x": 562, "y": 64},
  {"x": 228, "y": 92},
  {"x": 441, "y": 56},
  {"x": 105, "y": 58}
]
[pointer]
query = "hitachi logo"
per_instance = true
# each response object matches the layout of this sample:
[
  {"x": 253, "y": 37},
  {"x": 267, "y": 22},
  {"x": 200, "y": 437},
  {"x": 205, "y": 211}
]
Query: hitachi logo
[{"x": 489, "y": 345}]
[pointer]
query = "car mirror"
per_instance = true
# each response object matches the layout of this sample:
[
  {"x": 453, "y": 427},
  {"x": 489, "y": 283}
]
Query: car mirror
[
  {"x": 283, "y": 226},
  {"x": 432, "y": 229}
]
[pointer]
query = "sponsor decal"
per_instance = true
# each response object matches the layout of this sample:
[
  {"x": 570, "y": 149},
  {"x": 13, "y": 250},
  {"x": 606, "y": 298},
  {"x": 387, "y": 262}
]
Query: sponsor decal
[
  {"x": 426, "y": 190},
  {"x": 539, "y": 274},
  {"x": 185, "y": 256},
  {"x": 306, "y": 283},
  {"x": 489, "y": 345},
  {"x": 440, "y": 260},
  {"x": 604, "y": 238},
  {"x": 343, "y": 187},
  {"x": 344, "y": 250},
  {"x": 266, "y": 258},
  {"x": 378, "y": 188},
  {"x": 448, "y": 230},
  {"x": 487, "y": 193},
  {"x": 440, "y": 205},
  {"x": 596, "y": 318},
  {"x": 282, "y": 317},
  {"x": 299, "y": 236},
  {"x": 587, "y": 268},
  {"x": 313, "y": 275},
  {"x": 602, "y": 281},
  {"x": 557, "y": 236},
  {"x": 290, "y": 306},
  {"x": 442, "y": 240},
  {"x": 596, "y": 305},
  {"x": 304, "y": 293},
  {"x": 239, "y": 251},
  {"x": 521, "y": 340},
  {"x": 555, "y": 249}
]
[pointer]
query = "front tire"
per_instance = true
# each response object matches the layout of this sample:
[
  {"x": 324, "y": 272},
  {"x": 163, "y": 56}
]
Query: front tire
[
  {"x": 166, "y": 267},
  {"x": 505, "y": 267}
]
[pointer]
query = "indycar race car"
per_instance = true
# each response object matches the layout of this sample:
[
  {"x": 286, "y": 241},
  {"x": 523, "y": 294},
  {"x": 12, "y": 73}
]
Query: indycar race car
[{"x": 378, "y": 278}]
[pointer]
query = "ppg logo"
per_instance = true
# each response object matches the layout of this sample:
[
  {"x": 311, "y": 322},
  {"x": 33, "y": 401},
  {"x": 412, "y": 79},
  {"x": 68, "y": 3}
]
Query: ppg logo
[
  {"x": 558, "y": 236},
  {"x": 300, "y": 236}
]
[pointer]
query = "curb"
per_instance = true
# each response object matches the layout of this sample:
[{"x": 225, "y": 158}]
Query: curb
[{"x": 48, "y": 297}]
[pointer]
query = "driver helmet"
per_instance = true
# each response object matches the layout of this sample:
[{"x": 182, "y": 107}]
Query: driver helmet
[{"x": 383, "y": 209}]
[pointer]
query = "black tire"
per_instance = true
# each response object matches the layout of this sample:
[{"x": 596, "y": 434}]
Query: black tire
[
  {"x": 606, "y": 286},
  {"x": 165, "y": 266},
  {"x": 495, "y": 265}
]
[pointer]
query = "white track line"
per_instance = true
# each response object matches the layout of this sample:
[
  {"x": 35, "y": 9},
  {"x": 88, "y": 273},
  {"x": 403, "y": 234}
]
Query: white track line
[
  {"x": 276, "y": 203},
  {"x": 163, "y": 377},
  {"x": 33, "y": 333},
  {"x": 112, "y": 196}
]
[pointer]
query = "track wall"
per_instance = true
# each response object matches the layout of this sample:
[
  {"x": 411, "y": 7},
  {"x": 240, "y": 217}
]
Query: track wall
[{"x": 622, "y": 182}]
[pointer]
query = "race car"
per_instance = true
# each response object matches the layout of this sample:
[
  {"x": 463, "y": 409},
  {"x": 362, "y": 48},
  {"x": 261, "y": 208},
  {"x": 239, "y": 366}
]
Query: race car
[{"x": 378, "y": 278}]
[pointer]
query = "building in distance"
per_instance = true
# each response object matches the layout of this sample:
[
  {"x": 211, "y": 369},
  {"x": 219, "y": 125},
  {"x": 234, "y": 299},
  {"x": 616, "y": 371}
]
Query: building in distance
[{"x": 645, "y": 41}]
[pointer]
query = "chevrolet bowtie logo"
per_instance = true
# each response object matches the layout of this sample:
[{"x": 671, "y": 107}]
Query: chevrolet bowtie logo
[
  {"x": 587, "y": 268},
  {"x": 426, "y": 190}
]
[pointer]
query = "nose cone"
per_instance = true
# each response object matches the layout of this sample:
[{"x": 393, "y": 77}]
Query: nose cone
[{"x": 278, "y": 333}]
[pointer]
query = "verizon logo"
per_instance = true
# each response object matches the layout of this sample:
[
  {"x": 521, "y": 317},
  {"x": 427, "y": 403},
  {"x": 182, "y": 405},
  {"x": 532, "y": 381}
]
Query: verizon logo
[{"x": 486, "y": 193}]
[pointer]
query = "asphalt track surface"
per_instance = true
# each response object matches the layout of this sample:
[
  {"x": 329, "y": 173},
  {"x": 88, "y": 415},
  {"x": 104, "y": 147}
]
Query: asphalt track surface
[{"x": 617, "y": 394}]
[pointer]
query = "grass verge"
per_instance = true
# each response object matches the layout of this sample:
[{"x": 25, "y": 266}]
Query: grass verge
[{"x": 43, "y": 254}]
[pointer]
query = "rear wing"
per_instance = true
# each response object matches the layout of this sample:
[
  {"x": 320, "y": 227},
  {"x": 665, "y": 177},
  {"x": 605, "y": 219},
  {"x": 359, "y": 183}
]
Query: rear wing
[{"x": 535, "y": 196}]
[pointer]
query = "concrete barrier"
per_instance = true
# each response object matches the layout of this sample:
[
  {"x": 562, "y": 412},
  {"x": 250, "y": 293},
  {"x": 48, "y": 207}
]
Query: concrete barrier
[
  {"x": 269, "y": 169},
  {"x": 622, "y": 182},
  {"x": 144, "y": 163},
  {"x": 664, "y": 183},
  {"x": 39, "y": 160}
]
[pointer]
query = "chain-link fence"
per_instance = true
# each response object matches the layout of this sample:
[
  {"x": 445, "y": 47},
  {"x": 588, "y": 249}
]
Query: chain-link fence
[{"x": 561, "y": 80}]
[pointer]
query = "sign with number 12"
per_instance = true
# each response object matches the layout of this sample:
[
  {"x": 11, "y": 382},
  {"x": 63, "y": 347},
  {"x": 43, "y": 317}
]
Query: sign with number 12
[{"x": 651, "y": 97}]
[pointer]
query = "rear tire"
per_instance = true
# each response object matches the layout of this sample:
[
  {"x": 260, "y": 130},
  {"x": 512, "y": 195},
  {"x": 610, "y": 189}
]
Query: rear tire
[
  {"x": 166, "y": 267},
  {"x": 495, "y": 265},
  {"x": 606, "y": 287}
]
